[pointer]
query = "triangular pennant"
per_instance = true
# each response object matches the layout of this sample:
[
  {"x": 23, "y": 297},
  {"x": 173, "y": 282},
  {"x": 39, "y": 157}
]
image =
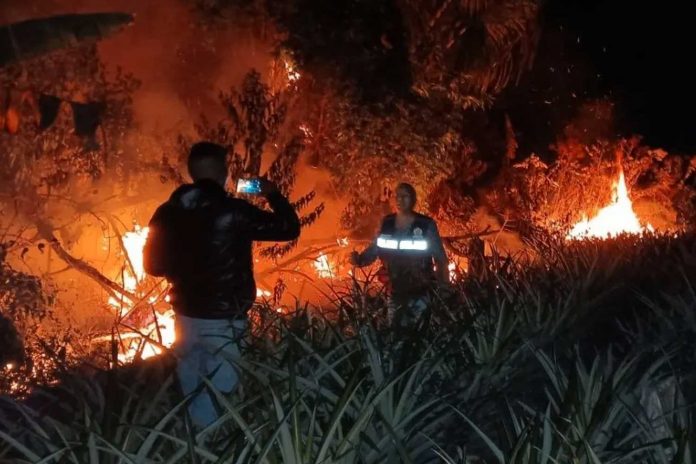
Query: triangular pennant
[
  {"x": 87, "y": 118},
  {"x": 48, "y": 108}
]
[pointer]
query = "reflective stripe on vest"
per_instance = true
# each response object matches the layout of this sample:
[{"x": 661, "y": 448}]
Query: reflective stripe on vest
[
  {"x": 385, "y": 241},
  {"x": 420, "y": 245},
  {"x": 389, "y": 243}
]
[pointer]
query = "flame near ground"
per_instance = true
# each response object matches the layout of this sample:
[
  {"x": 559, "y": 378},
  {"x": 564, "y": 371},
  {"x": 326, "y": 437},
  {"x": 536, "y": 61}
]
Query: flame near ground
[
  {"x": 158, "y": 333},
  {"x": 148, "y": 336},
  {"x": 614, "y": 219}
]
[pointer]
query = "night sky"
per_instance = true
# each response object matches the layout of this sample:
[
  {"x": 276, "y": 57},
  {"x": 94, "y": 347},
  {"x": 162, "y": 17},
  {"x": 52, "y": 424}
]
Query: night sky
[{"x": 638, "y": 54}]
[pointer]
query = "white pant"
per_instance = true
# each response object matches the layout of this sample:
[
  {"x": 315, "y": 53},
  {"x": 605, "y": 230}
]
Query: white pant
[
  {"x": 207, "y": 348},
  {"x": 407, "y": 313}
]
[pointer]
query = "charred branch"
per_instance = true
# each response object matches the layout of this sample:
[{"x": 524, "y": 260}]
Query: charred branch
[{"x": 117, "y": 291}]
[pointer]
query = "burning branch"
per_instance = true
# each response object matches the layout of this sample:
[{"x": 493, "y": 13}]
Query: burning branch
[
  {"x": 114, "y": 224},
  {"x": 299, "y": 257},
  {"x": 115, "y": 290}
]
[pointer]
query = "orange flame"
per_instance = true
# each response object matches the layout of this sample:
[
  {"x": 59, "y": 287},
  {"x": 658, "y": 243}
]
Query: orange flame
[
  {"x": 616, "y": 218},
  {"x": 261, "y": 293},
  {"x": 151, "y": 339},
  {"x": 148, "y": 341},
  {"x": 452, "y": 268},
  {"x": 134, "y": 242},
  {"x": 293, "y": 75}
]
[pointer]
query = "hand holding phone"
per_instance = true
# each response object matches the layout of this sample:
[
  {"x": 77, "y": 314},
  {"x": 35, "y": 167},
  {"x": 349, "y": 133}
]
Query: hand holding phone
[
  {"x": 256, "y": 186},
  {"x": 249, "y": 186}
]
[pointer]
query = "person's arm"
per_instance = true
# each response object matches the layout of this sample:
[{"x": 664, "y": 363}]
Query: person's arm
[
  {"x": 155, "y": 253},
  {"x": 367, "y": 257},
  {"x": 438, "y": 252},
  {"x": 280, "y": 225}
]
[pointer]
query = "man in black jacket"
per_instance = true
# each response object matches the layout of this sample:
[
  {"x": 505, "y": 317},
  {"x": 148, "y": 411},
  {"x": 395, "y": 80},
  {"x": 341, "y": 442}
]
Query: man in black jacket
[{"x": 201, "y": 241}]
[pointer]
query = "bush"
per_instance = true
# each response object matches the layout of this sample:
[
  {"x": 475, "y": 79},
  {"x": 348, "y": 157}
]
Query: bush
[{"x": 577, "y": 353}]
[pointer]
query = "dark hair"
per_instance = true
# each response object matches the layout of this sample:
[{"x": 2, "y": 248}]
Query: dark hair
[
  {"x": 409, "y": 189},
  {"x": 206, "y": 159}
]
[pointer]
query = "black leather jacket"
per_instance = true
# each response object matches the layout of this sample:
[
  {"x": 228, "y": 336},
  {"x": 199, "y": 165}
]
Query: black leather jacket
[{"x": 201, "y": 241}]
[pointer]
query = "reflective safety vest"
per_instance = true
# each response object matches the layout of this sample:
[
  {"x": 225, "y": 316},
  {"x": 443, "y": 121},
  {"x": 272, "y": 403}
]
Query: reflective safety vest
[{"x": 407, "y": 255}]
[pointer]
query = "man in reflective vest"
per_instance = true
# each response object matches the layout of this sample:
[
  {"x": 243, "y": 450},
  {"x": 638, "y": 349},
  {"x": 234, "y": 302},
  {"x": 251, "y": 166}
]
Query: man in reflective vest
[{"x": 411, "y": 250}]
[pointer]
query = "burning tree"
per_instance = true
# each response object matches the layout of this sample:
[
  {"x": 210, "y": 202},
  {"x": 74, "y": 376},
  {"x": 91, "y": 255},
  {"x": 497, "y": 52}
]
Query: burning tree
[
  {"x": 255, "y": 128},
  {"x": 386, "y": 84},
  {"x": 391, "y": 94},
  {"x": 30, "y": 349},
  {"x": 54, "y": 166},
  {"x": 66, "y": 121},
  {"x": 550, "y": 198}
]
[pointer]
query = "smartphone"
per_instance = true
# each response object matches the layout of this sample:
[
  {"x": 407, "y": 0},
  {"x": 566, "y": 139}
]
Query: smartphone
[{"x": 249, "y": 186}]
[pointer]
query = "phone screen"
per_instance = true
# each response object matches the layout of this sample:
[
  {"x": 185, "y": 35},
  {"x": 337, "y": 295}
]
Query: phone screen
[{"x": 250, "y": 186}]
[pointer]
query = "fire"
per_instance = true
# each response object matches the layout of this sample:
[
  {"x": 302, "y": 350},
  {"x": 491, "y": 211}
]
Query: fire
[
  {"x": 149, "y": 340},
  {"x": 452, "y": 268},
  {"x": 293, "y": 75},
  {"x": 143, "y": 343},
  {"x": 306, "y": 131},
  {"x": 152, "y": 338},
  {"x": 134, "y": 242},
  {"x": 616, "y": 218},
  {"x": 260, "y": 293},
  {"x": 323, "y": 267}
]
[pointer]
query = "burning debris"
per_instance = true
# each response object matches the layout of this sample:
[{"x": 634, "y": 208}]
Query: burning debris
[
  {"x": 260, "y": 293},
  {"x": 387, "y": 98},
  {"x": 453, "y": 271},
  {"x": 323, "y": 267},
  {"x": 291, "y": 72},
  {"x": 614, "y": 219},
  {"x": 145, "y": 325},
  {"x": 256, "y": 116}
]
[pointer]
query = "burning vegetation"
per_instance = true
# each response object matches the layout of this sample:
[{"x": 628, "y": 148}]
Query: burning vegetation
[
  {"x": 614, "y": 219},
  {"x": 545, "y": 250}
]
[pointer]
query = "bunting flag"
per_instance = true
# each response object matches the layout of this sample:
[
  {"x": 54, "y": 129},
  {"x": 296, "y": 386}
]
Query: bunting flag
[
  {"x": 48, "y": 108},
  {"x": 86, "y": 116}
]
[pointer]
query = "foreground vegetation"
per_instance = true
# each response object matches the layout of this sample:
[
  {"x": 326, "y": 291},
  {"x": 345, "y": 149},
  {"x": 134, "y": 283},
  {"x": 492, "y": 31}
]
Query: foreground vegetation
[{"x": 584, "y": 356}]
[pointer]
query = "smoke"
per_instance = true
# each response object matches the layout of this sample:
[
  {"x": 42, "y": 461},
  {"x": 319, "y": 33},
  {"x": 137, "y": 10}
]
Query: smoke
[{"x": 181, "y": 63}]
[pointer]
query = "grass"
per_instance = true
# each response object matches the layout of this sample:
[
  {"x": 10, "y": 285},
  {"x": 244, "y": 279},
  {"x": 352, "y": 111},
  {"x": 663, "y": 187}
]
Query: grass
[{"x": 582, "y": 356}]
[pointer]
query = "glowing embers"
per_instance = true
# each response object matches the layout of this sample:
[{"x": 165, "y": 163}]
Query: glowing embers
[
  {"x": 261, "y": 293},
  {"x": 616, "y": 218},
  {"x": 452, "y": 270},
  {"x": 323, "y": 267},
  {"x": 386, "y": 242}
]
